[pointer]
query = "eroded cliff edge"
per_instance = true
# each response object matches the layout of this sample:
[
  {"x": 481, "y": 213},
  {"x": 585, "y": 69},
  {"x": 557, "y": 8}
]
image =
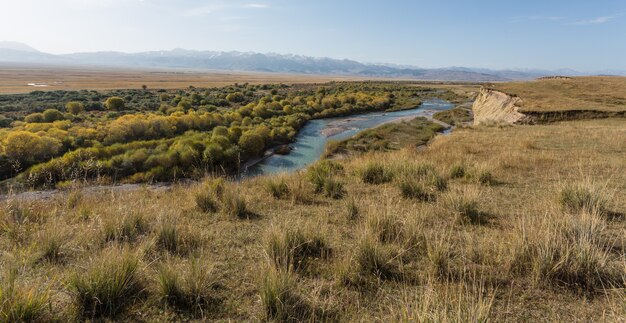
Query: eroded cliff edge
[{"x": 493, "y": 106}]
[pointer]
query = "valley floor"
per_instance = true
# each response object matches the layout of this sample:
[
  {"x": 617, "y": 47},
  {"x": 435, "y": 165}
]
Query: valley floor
[{"x": 515, "y": 223}]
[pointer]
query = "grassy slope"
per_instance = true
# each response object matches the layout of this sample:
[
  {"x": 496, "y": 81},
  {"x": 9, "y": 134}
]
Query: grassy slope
[
  {"x": 578, "y": 93},
  {"x": 445, "y": 263},
  {"x": 456, "y": 116},
  {"x": 391, "y": 136}
]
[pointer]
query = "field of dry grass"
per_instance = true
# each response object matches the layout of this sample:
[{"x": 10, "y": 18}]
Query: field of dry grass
[
  {"x": 577, "y": 93},
  {"x": 520, "y": 223},
  {"x": 15, "y": 79}
]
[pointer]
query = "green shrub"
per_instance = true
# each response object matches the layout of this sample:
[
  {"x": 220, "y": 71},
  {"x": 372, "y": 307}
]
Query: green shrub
[{"x": 107, "y": 286}]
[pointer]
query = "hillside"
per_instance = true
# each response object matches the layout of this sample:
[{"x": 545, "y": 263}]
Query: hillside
[
  {"x": 551, "y": 99},
  {"x": 569, "y": 93},
  {"x": 501, "y": 235}
]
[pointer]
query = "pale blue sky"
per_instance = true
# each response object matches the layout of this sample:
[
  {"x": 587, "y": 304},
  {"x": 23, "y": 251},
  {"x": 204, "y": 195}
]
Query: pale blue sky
[{"x": 584, "y": 35}]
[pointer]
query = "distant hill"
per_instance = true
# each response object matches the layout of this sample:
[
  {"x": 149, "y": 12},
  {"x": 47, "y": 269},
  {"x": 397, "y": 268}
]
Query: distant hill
[
  {"x": 12, "y": 45},
  {"x": 256, "y": 62}
]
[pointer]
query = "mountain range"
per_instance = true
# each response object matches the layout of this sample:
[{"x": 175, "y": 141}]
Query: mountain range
[{"x": 14, "y": 52}]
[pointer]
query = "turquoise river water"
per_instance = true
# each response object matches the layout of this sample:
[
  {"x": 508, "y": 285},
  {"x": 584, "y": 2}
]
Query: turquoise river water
[{"x": 312, "y": 138}]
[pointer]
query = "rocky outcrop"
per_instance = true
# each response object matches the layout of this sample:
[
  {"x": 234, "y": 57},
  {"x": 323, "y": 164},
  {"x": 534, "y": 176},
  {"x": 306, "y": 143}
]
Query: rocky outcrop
[{"x": 493, "y": 106}]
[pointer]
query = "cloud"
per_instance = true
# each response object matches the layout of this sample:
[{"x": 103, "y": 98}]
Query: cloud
[
  {"x": 594, "y": 21},
  {"x": 536, "y": 18},
  {"x": 256, "y": 5},
  {"x": 219, "y": 6}
]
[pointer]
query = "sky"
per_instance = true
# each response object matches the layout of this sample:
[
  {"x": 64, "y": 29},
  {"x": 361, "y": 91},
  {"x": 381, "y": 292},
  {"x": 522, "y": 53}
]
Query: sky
[{"x": 582, "y": 35}]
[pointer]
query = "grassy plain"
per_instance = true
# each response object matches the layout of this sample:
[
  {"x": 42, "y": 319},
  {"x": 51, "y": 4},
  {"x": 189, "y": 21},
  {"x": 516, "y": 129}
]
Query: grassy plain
[
  {"x": 15, "y": 79},
  {"x": 601, "y": 93},
  {"x": 519, "y": 223}
]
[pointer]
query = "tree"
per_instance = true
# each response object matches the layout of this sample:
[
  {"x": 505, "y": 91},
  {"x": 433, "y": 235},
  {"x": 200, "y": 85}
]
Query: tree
[
  {"x": 52, "y": 115},
  {"x": 251, "y": 144},
  {"x": 115, "y": 103},
  {"x": 74, "y": 108}
]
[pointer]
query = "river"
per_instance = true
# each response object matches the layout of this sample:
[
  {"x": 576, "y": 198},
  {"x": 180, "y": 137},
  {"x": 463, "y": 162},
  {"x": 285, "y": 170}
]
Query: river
[
  {"x": 312, "y": 138},
  {"x": 307, "y": 148}
]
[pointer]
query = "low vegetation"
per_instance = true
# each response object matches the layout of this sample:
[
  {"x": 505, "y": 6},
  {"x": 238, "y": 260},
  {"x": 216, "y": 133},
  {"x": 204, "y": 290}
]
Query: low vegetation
[
  {"x": 596, "y": 93},
  {"x": 474, "y": 227},
  {"x": 391, "y": 136},
  {"x": 455, "y": 117},
  {"x": 144, "y": 135}
]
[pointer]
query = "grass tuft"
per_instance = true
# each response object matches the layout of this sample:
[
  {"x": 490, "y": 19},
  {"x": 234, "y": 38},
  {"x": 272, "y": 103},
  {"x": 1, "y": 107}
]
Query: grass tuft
[
  {"x": 107, "y": 286},
  {"x": 352, "y": 209},
  {"x": 464, "y": 204},
  {"x": 233, "y": 204},
  {"x": 19, "y": 304},
  {"x": 375, "y": 173},
  {"x": 127, "y": 228},
  {"x": 386, "y": 226},
  {"x": 458, "y": 171},
  {"x": 205, "y": 201},
  {"x": 277, "y": 188},
  {"x": 411, "y": 188},
  {"x": 280, "y": 299},
  {"x": 52, "y": 247},
  {"x": 321, "y": 171},
  {"x": 175, "y": 239},
  {"x": 294, "y": 249},
  {"x": 374, "y": 259},
  {"x": 334, "y": 188},
  {"x": 189, "y": 287},
  {"x": 582, "y": 197}
]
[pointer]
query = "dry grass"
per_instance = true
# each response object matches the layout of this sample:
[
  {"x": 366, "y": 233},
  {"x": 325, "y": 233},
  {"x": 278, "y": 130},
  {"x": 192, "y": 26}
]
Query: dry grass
[
  {"x": 14, "y": 78},
  {"x": 548, "y": 251},
  {"x": 577, "y": 93}
]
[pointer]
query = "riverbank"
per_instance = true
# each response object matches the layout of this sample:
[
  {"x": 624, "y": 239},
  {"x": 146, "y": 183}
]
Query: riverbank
[
  {"x": 310, "y": 144},
  {"x": 391, "y": 135}
]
